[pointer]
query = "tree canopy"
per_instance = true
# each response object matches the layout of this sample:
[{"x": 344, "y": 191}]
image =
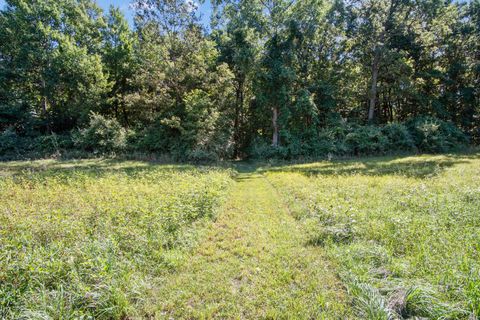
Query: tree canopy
[{"x": 281, "y": 78}]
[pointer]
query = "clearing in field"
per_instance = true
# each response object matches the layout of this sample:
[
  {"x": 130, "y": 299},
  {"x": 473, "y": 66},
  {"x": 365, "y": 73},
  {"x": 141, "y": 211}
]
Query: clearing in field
[{"x": 375, "y": 238}]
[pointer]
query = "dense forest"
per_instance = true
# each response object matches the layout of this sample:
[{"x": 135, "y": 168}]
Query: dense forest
[{"x": 267, "y": 78}]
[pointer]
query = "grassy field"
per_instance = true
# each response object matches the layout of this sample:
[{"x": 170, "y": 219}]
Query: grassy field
[
  {"x": 403, "y": 234},
  {"x": 373, "y": 238},
  {"x": 94, "y": 238}
]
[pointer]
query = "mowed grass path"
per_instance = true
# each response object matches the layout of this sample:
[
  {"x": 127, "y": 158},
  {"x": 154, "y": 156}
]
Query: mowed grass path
[{"x": 253, "y": 264}]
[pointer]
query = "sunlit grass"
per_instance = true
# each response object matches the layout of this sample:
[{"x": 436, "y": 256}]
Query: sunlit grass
[
  {"x": 372, "y": 238},
  {"x": 404, "y": 233},
  {"x": 91, "y": 238}
]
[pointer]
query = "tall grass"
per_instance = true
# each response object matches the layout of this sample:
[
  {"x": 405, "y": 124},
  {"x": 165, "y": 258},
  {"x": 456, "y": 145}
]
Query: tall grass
[
  {"x": 89, "y": 239},
  {"x": 404, "y": 233}
]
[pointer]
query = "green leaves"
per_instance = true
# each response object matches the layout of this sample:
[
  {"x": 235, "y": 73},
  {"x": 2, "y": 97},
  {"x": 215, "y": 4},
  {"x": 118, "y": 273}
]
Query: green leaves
[
  {"x": 102, "y": 136},
  {"x": 278, "y": 70},
  {"x": 52, "y": 59}
]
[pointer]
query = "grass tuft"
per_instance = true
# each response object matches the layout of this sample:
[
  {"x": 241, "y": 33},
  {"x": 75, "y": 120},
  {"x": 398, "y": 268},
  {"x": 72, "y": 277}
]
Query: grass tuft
[{"x": 368, "y": 302}]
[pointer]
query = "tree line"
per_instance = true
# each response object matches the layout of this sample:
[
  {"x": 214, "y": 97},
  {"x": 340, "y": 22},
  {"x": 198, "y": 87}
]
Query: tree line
[{"x": 267, "y": 78}]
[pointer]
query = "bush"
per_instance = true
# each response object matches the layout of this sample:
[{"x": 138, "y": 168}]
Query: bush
[
  {"x": 331, "y": 140},
  {"x": 102, "y": 135},
  {"x": 14, "y": 146},
  {"x": 51, "y": 144},
  {"x": 366, "y": 140},
  {"x": 202, "y": 156},
  {"x": 261, "y": 149},
  {"x": 9, "y": 142},
  {"x": 424, "y": 134},
  {"x": 398, "y": 137},
  {"x": 434, "y": 135},
  {"x": 159, "y": 137},
  {"x": 184, "y": 140}
]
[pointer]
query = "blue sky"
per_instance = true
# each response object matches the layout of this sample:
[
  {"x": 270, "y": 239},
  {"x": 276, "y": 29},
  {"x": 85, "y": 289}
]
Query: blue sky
[
  {"x": 204, "y": 9},
  {"x": 122, "y": 4}
]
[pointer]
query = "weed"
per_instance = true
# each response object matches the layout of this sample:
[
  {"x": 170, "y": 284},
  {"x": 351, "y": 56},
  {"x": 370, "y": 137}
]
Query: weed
[
  {"x": 407, "y": 223},
  {"x": 85, "y": 239}
]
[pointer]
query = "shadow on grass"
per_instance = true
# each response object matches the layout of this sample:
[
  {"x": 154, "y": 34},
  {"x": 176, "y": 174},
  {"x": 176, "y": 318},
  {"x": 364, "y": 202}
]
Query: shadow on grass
[
  {"x": 92, "y": 167},
  {"x": 410, "y": 166}
]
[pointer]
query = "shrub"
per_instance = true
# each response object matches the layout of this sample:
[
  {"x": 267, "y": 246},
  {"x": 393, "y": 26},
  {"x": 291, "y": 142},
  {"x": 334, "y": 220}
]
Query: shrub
[
  {"x": 332, "y": 140},
  {"x": 184, "y": 140},
  {"x": 261, "y": 149},
  {"x": 202, "y": 156},
  {"x": 326, "y": 143},
  {"x": 294, "y": 147},
  {"x": 14, "y": 146},
  {"x": 424, "y": 134},
  {"x": 434, "y": 135},
  {"x": 51, "y": 144},
  {"x": 161, "y": 136},
  {"x": 102, "y": 135},
  {"x": 366, "y": 140},
  {"x": 398, "y": 137},
  {"x": 9, "y": 141}
]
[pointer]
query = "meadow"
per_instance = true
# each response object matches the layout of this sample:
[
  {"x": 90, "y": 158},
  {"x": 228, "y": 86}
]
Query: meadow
[
  {"x": 403, "y": 234},
  {"x": 91, "y": 238},
  {"x": 366, "y": 238}
]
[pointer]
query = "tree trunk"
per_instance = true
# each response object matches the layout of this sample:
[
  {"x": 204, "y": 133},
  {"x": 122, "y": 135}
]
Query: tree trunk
[
  {"x": 125, "y": 116},
  {"x": 390, "y": 105},
  {"x": 45, "y": 106},
  {"x": 236, "y": 124},
  {"x": 275, "y": 140},
  {"x": 373, "y": 88}
]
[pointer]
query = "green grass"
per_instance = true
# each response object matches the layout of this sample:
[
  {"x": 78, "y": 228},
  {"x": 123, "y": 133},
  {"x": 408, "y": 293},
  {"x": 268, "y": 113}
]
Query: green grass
[
  {"x": 404, "y": 234},
  {"x": 92, "y": 238},
  {"x": 253, "y": 265},
  {"x": 372, "y": 238}
]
